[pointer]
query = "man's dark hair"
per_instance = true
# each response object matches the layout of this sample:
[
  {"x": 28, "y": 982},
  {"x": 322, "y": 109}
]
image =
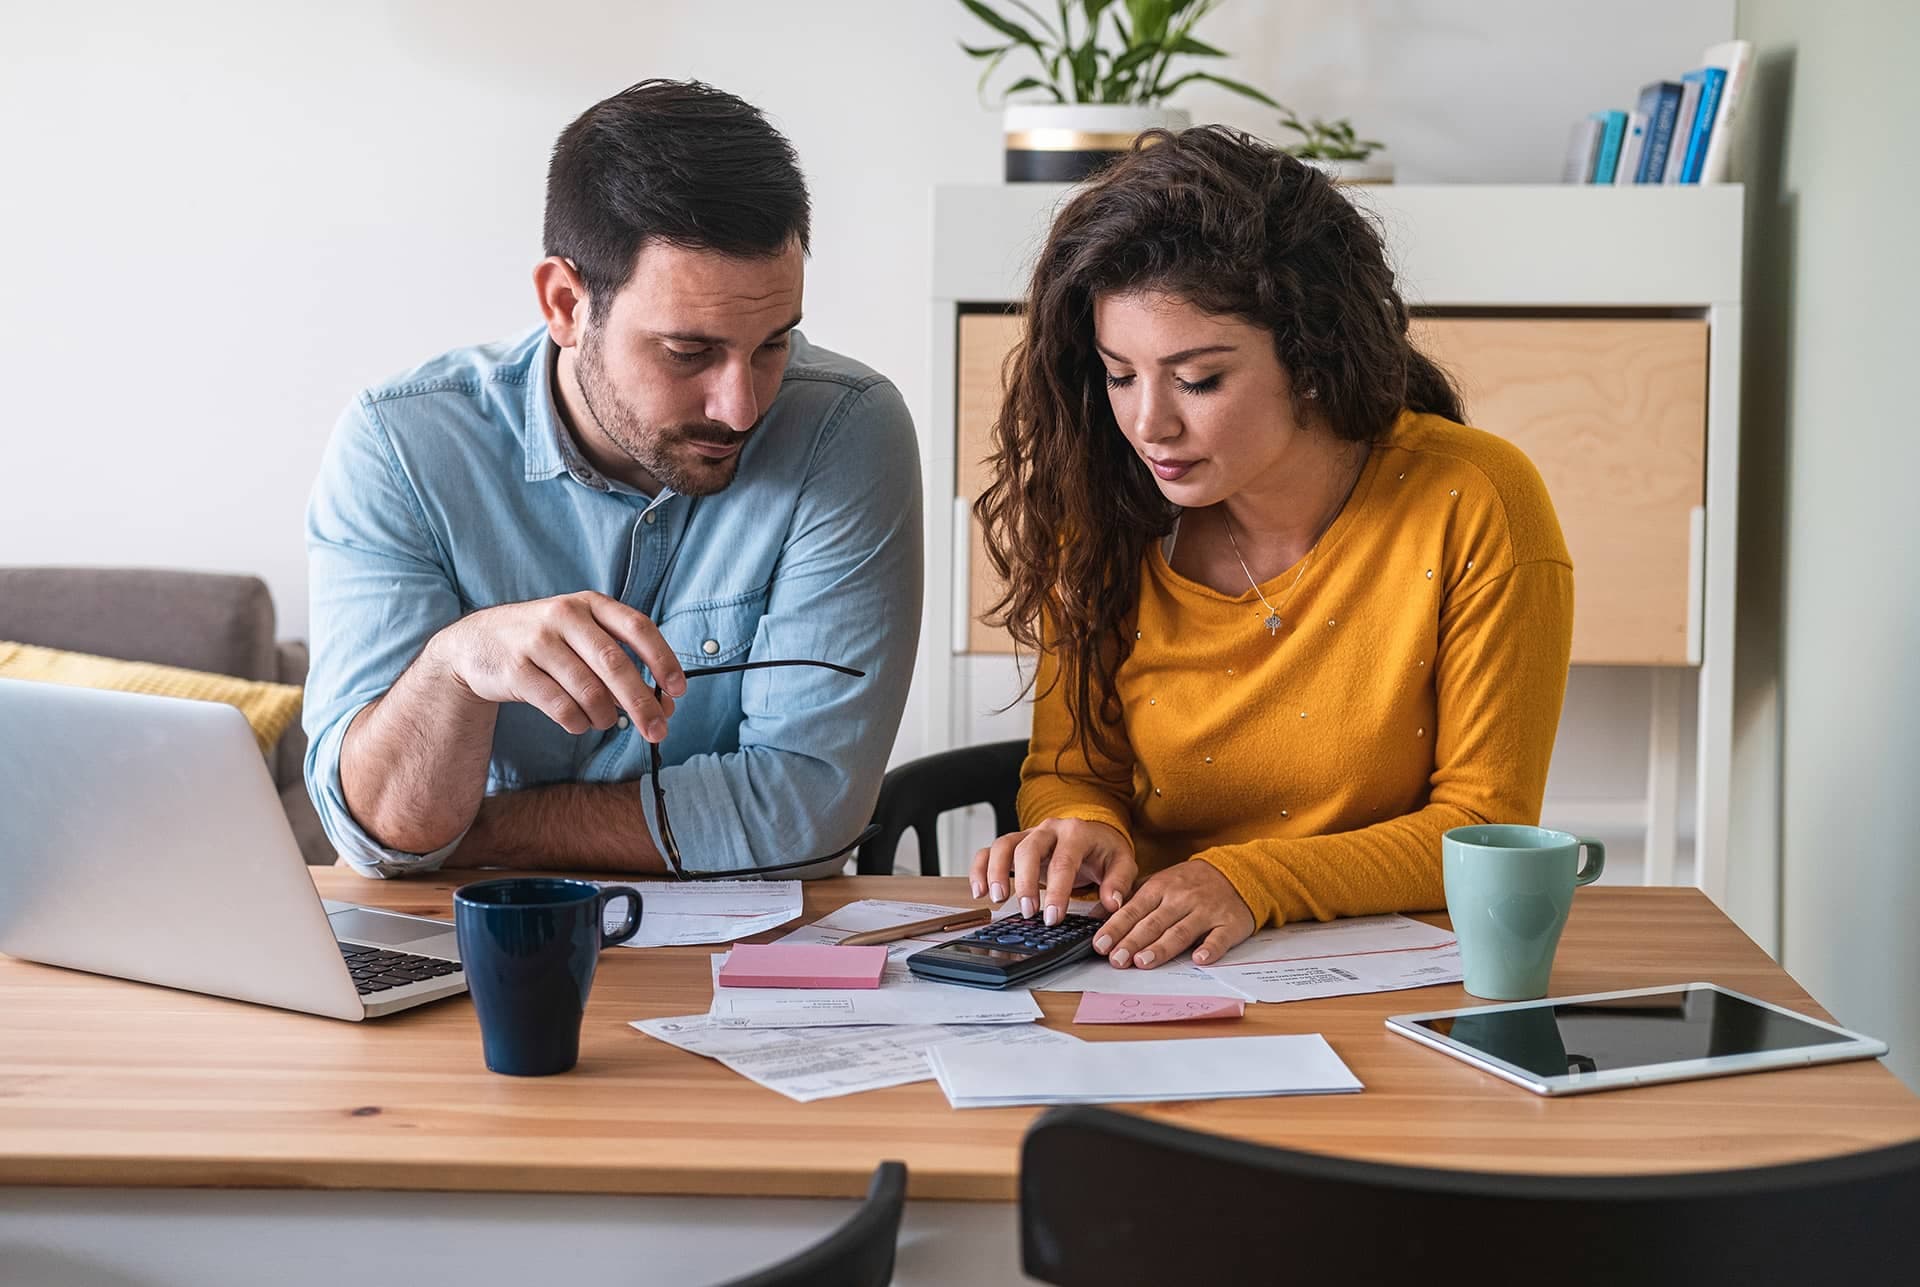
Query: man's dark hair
[{"x": 673, "y": 161}]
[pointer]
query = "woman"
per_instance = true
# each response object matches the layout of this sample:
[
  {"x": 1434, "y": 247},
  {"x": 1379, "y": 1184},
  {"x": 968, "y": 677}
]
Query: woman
[{"x": 1294, "y": 619}]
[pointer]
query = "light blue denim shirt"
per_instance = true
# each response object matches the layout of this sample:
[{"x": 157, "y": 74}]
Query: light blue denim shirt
[{"x": 456, "y": 487}]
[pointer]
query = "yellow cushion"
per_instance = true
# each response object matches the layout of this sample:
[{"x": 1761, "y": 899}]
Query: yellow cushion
[{"x": 269, "y": 708}]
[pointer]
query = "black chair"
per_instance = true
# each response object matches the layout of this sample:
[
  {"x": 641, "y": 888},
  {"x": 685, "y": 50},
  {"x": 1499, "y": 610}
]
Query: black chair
[
  {"x": 857, "y": 1254},
  {"x": 1108, "y": 1198},
  {"x": 915, "y": 794}
]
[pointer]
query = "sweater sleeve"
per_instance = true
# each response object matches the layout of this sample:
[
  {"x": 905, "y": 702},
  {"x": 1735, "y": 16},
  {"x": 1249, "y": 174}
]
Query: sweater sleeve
[
  {"x": 1500, "y": 673},
  {"x": 1060, "y": 779}
]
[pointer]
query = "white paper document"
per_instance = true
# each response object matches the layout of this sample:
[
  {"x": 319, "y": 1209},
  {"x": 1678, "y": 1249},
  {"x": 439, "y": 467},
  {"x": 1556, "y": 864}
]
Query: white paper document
[
  {"x": 900, "y": 999},
  {"x": 1131, "y": 1072},
  {"x": 1180, "y": 978},
  {"x": 679, "y": 914},
  {"x": 806, "y": 1064},
  {"x": 1339, "y": 958}
]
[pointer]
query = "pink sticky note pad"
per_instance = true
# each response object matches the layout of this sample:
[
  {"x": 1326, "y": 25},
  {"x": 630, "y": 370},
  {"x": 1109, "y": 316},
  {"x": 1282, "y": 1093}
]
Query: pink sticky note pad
[
  {"x": 1122, "y": 1007},
  {"x": 803, "y": 965}
]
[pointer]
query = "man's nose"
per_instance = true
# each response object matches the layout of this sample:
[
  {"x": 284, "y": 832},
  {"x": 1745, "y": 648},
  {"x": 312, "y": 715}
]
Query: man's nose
[{"x": 731, "y": 400}]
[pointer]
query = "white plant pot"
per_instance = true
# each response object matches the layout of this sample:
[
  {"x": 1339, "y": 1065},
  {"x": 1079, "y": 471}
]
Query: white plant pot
[
  {"x": 1354, "y": 171},
  {"x": 1065, "y": 142}
]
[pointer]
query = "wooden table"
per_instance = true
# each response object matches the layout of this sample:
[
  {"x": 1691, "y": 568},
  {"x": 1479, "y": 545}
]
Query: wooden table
[{"x": 116, "y": 1086}]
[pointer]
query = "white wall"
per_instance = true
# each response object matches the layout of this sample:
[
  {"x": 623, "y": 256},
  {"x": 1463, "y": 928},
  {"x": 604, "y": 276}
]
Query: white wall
[{"x": 1832, "y": 458}]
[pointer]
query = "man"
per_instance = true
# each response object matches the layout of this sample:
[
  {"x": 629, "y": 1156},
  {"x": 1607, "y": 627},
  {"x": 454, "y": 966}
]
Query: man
[{"x": 512, "y": 546}]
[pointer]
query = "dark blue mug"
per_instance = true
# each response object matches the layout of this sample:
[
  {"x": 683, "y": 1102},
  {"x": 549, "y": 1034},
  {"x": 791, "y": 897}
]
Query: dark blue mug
[{"x": 528, "y": 947}]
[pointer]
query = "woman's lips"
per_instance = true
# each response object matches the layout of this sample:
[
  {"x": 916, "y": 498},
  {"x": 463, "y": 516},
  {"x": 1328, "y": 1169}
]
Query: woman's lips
[{"x": 1170, "y": 469}]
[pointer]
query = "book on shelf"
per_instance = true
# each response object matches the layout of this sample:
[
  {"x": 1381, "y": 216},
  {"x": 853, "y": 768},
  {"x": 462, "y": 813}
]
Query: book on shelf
[
  {"x": 1583, "y": 148},
  {"x": 1682, "y": 130},
  {"x": 1632, "y": 146},
  {"x": 1711, "y": 79},
  {"x": 1613, "y": 128},
  {"x": 1735, "y": 58},
  {"x": 1660, "y": 103}
]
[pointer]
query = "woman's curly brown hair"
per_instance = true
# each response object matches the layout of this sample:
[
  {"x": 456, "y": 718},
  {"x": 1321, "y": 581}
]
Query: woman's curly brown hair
[{"x": 1232, "y": 226}]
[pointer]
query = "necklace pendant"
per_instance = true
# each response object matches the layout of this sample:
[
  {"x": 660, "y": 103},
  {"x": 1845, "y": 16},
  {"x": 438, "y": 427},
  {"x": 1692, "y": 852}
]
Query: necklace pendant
[{"x": 1273, "y": 623}]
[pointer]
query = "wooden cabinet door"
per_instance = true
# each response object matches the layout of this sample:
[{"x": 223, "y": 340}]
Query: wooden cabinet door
[
  {"x": 1613, "y": 412},
  {"x": 985, "y": 341}
]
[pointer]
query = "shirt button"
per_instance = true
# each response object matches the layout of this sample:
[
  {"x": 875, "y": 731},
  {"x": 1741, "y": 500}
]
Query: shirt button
[
  {"x": 710, "y": 647},
  {"x": 647, "y": 518},
  {"x": 623, "y": 721}
]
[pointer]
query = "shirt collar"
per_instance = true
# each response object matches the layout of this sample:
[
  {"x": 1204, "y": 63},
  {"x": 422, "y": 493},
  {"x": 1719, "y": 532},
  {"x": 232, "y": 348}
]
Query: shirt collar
[{"x": 551, "y": 451}]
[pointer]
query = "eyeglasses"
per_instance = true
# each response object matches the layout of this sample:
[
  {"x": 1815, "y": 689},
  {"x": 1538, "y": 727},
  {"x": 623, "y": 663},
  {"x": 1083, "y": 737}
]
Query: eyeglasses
[{"x": 670, "y": 848}]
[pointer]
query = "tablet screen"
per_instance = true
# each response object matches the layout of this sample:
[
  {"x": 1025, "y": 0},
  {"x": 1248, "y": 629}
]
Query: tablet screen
[{"x": 1629, "y": 1032}]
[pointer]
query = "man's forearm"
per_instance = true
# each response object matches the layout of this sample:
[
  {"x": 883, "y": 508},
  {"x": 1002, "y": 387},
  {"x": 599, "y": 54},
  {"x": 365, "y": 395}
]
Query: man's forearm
[
  {"x": 413, "y": 764},
  {"x": 597, "y": 827}
]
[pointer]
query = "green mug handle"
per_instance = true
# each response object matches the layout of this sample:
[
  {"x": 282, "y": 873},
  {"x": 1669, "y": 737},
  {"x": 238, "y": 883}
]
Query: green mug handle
[{"x": 1596, "y": 855}]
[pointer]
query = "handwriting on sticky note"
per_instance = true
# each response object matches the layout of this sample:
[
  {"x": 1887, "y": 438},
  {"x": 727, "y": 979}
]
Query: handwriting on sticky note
[{"x": 1121, "y": 1007}]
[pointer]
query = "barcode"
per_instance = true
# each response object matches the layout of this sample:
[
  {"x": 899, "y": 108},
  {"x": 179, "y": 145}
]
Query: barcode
[{"x": 1348, "y": 975}]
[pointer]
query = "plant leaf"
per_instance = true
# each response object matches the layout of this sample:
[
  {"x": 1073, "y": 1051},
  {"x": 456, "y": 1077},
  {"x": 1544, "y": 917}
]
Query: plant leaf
[
  {"x": 1093, "y": 9},
  {"x": 1198, "y": 48},
  {"x": 1005, "y": 26},
  {"x": 1040, "y": 18},
  {"x": 1131, "y": 59},
  {"x": 984, "y": 51},
  {"x": 1237, "y": 87}
]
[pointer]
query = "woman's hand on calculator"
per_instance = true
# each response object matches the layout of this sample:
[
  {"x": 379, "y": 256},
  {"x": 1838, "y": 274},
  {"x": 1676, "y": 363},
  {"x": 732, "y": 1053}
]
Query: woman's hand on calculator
[{"x": 1061, "y": 853}]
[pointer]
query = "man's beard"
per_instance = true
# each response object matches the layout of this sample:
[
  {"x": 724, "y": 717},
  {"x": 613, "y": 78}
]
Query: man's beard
[{"x": 661, "y": 452}]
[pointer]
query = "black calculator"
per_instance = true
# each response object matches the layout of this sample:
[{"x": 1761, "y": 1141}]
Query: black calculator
[{"x": 1010, "y": 951}]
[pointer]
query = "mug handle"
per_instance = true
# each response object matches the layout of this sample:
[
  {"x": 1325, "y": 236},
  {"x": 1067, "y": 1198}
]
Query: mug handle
[
  {"x": 631, "y": 925},
  {"x": 1596, "y": 855}
]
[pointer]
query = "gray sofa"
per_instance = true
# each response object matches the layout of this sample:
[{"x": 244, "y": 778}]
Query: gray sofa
[{"x": 201, "y": 620}]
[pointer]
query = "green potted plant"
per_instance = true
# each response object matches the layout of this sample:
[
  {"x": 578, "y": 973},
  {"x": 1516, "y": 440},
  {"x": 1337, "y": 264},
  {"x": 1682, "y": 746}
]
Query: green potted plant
[
  {"x": 1335, "y": 148},
  {"x": 1104, "y": 72}
]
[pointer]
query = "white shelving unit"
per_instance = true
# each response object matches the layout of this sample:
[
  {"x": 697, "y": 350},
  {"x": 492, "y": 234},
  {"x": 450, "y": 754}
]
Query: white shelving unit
[{"x": 1558, "y": 251}]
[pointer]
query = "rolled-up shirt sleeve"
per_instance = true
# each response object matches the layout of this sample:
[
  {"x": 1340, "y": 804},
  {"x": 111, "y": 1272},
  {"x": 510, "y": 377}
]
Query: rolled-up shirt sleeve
[
  {"x": 378, "y": 589},
  {"x": 813, "y": 745}
]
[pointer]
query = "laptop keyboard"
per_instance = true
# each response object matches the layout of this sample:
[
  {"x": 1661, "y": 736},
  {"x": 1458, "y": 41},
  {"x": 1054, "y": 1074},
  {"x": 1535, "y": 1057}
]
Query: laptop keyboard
[{"x": 376, "y": 969}]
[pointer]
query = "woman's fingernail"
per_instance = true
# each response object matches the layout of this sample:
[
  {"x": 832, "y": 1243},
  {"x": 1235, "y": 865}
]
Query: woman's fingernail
[
  {"x": 1103, "y": 943},
  {"x": 1052, "y": 916},
  {"x": 999, "y": 891},
  {"x": 1119, "y": 956},
  {"x": 1200, "y": 957},
  {"x": 1026, "y": 907},
  {"x": 976, "y": 889},
  {"x": 1145, "y": 958},
  {"x": 1113, "y": 900}
]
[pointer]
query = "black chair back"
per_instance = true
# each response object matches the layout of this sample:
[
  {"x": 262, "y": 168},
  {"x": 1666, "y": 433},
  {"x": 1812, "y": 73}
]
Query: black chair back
[
  {"x": 1109, "y": 1198},
  {"x": 857, "y": 1254},
  {"x": 915, "y": 794}
]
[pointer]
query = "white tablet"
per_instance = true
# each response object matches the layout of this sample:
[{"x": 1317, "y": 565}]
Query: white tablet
[{"x": 1606, "y": 1040}]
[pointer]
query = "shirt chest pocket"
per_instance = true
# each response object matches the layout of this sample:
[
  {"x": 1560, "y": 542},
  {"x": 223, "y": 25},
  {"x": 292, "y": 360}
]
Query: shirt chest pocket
[{"x": 716, "y": 631}]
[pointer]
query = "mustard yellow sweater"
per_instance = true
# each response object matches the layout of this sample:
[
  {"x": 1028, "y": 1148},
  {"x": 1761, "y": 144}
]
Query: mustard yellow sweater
[{"x": 1415, "y": 687}]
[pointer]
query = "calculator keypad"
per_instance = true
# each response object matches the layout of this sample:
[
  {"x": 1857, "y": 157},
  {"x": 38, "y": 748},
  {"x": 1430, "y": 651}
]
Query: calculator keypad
[{"x": 1030, "y": 934}]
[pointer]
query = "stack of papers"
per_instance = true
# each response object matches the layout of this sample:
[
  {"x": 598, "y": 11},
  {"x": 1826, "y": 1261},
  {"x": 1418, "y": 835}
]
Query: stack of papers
[
  {"x": 1134, "y": 1072},
  {"x": 707, "y": 911},
  {"x": 1334, "y": 959},
  {"x": 806, "y": 1064},
  {"x": 900, "y": 999}
]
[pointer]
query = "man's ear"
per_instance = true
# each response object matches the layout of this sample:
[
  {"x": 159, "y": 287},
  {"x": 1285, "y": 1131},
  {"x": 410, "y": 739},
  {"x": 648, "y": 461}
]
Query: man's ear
[{"x": 563, "y": 299}]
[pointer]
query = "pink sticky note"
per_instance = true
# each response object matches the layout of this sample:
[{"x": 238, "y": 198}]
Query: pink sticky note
[
  {"x": 803, "y": 965},
  {"x": 1122, "y": 1007}
]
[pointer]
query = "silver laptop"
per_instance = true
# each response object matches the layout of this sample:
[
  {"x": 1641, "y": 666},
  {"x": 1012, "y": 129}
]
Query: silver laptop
[{"x": 142, "y": 837}]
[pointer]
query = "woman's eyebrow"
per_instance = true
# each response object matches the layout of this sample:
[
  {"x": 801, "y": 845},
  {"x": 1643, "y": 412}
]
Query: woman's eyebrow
[{"x": 1172, "y": 359}]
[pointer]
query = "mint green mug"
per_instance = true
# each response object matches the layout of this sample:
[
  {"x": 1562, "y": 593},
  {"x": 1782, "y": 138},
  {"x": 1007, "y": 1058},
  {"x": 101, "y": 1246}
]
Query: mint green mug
[{"x": 1509, "y": 889}]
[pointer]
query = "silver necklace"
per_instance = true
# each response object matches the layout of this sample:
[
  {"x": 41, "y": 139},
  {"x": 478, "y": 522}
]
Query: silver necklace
[{"x": 1273, "y": 621}]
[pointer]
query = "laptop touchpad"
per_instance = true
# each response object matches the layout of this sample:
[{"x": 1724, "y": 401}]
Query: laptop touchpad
[{"x": 358, "y": 925}]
